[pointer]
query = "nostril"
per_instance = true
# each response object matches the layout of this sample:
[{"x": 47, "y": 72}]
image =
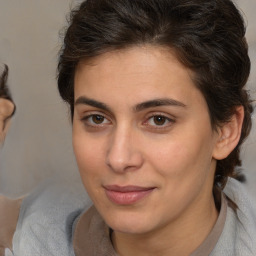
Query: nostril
[
  {"x": 116, "y": 162},
  {"x": 132, "y": 161}
]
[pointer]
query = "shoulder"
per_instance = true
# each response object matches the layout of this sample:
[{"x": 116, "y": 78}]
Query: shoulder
[
  {"x": 239, "y": 233},
  {"x": 46, "y": 219}
]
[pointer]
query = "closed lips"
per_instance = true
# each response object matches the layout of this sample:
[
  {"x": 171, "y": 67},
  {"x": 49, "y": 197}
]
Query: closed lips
[{"x": 126, "y": 195}]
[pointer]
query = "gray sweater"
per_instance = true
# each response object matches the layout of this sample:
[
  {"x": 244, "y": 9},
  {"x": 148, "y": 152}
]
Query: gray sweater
[{"x": 48, "y": 219}]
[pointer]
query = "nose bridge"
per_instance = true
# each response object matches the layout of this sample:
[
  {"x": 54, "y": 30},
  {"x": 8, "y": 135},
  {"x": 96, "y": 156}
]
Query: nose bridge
[{"x": 123, "y": 152}]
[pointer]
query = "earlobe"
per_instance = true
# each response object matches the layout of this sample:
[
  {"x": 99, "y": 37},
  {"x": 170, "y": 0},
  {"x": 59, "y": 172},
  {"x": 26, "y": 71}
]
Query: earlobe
[{"x": 229, "y": 135}]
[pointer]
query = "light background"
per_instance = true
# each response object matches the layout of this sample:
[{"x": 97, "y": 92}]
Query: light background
[{"x": 38, "y": 145}]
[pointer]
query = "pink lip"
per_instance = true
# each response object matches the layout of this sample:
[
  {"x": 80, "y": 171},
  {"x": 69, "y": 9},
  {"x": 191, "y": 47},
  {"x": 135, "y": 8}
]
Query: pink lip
[{"x": 126, "y": 195}]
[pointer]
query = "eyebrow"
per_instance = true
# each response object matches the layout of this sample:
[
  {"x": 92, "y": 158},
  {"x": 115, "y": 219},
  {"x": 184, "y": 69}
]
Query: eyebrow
[
  {"x": 139, "y": 107},
  {"x": 94, "y": 103},
  {"x": 157, "y": 103}
]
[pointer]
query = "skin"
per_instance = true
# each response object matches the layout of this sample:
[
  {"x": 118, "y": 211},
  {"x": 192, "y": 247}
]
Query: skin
[
  {"x": 122, "y": 144},
  {"x": 6, "y": 110}
]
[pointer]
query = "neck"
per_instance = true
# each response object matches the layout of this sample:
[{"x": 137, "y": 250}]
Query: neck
[{"x": 180, "y": 237}]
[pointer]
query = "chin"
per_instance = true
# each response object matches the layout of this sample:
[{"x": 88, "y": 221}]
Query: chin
[
  {"x": 128, "y": 222},
  {"x": 133, "y": 228}
]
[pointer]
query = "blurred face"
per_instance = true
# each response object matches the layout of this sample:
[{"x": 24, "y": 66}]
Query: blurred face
[
  {"x": 142, "y": 139},
  {"x": 6, "y": 110}
]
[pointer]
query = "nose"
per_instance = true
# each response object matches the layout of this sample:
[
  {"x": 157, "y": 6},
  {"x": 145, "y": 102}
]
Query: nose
[{"x": 123, "y": 152}]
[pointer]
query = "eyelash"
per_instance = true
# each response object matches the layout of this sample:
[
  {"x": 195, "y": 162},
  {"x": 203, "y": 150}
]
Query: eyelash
[{"x": 90, "y": 123}]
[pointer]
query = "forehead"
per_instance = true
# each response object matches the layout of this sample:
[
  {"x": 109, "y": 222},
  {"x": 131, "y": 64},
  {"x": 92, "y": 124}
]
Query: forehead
[{"x": 140, "y": 72}]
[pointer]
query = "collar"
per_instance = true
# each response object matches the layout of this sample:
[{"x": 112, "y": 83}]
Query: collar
[
  {"x": 211, "y": 240},
  {"x": 91, "y": 235}
]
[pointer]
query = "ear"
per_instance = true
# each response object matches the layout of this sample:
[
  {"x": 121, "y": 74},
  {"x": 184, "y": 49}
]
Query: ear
[
  {"x": 229, "y": 135},
  {"x": 6, "y": 110}
]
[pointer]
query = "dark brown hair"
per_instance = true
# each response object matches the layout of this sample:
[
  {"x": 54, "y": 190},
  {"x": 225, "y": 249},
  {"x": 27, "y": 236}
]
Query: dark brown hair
[{"x": 208, "y": 36}]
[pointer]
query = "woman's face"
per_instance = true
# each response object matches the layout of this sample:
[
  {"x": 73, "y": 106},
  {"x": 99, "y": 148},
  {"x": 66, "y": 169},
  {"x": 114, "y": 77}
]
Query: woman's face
[
  {"x": 142, "y": 139},
  {"x": 6, "y": 110}
]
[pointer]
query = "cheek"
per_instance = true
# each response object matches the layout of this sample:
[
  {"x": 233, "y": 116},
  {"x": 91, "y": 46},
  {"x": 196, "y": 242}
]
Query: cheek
[
  {"x": 90, "y": 164},
  {"x": 89, "y": 155},
  {"x": 86, "y": 152},
  {"x": 181, "y": 156}
]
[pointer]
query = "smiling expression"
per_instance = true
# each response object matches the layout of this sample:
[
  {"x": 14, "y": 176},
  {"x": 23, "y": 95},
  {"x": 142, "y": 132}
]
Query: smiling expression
[{"x": 143, "y": 139}]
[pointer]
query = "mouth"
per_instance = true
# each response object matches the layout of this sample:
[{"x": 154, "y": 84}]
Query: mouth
[{"x": 127, "y": 195}]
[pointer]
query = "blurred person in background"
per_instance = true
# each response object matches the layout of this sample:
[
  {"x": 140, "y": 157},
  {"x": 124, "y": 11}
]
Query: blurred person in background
[
  {"x": 9, "y": 208},
  {"x": 7, "y": 107}
]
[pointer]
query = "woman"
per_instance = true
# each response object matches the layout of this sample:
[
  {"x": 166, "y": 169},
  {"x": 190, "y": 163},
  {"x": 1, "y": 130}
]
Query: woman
[{"x": 159, "y": 112}]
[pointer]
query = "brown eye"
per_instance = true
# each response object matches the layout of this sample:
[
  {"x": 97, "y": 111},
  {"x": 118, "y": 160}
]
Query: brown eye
[
  {"x": 95, "y": 120},
  {"x": 98, "y": 119},
  {"x": 159, "y": 120}
]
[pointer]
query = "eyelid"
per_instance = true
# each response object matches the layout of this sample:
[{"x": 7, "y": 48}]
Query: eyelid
[{"x": 160, "y": 113}]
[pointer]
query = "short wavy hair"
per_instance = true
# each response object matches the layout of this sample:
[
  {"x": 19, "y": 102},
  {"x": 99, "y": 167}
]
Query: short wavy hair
[{"x": 208, "y": 36}]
